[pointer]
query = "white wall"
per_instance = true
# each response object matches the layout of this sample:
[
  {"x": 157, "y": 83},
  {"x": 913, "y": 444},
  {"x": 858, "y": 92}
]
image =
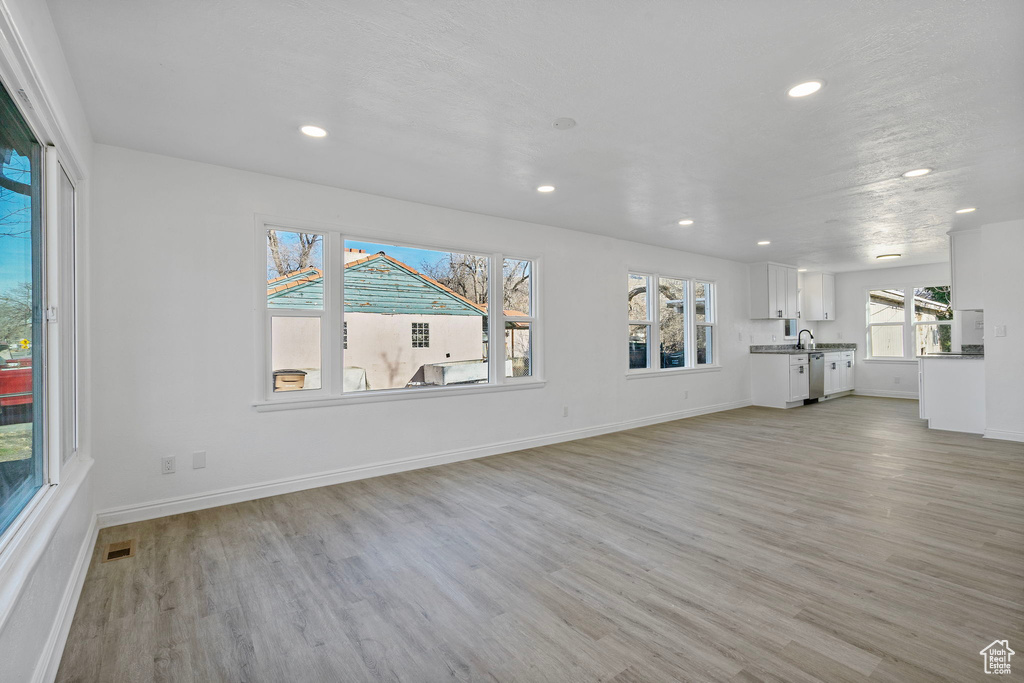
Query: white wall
[
  {"x": 879, "y": 378},
  {"x": 38, "y": 586},
  {"x": 1003, "y": 245},
  {"x": 173, "y": 255}
]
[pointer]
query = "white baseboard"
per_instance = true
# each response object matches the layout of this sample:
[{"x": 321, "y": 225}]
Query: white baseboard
[
  {"x": 49, "y": 660},
  {"x": 886, "y": 394},
  {"x": 172, "y": 506},
  {"x": 1003, "y": 435}
]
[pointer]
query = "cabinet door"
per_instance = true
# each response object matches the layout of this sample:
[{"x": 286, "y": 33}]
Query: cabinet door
[
  {"x": 781, "y": 273},
  {"x": 773, "y": 291},
  {"x": 791, "y": 290},
  {"x": 799, "y": 389},
  {"x": 831, "y": 367},
  {"x": 967, "y": 265},
  {"x": 848, "y": 380},
  {"x": 828, "y": 296}
]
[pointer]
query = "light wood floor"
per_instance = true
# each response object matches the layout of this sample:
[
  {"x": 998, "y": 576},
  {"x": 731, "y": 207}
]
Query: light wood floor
[{"x": 837, "y": 542}]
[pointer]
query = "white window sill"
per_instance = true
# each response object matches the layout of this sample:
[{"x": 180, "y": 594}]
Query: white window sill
[
  {"x": 392, "y": 395},
  {"x": 670, "y": 372},
  {"x": 26, "y": 542},
  {"x": 890, "y": 360}
]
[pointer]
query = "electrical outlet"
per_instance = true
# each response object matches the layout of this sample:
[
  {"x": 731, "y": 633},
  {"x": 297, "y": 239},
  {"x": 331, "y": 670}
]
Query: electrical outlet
[
  {"x": 565, "y": 411},
  {"x": 1000, "y": 330},
  {"x": 167, "y": 465},
  {"x": 198, "y": 460},
  {"x": 895, "y": 380},
  {"x": 740, "y": 336},
  {"x": 839, "y": 335},
  {"x": 686, "y": 395},
  {"x": 773, "y": 337}
]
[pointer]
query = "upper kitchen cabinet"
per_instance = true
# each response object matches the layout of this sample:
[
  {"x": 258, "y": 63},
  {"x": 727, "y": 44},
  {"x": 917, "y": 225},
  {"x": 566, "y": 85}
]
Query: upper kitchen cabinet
[
  {"x": 818, "y": 291},
  {"x": 773, "y": 291},
  {"x": 965, "y": 258}
]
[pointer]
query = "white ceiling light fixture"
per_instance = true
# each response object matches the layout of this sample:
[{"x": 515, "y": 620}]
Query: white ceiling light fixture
[
  {"x": 883, "y": 257},
  {"x": 805, "y": 89},
  {"x": 314, "y": 131},
  {"x": 686, "y": 221},
  {"x": 546, "y": 188},
  {"x": 917, "y": 173},
  {"x": 970, "y": 209},
  {"x": 801, "y": 270},
  {"x": 763, "y": 243}
]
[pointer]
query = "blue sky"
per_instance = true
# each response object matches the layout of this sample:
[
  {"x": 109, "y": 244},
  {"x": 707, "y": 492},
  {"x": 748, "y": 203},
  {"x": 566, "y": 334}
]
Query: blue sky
[
  {"x": 15, "y": 252},
  {"x": 407, "y": 255}
]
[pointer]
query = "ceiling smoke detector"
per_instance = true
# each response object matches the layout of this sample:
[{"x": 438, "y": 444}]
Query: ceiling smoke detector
[{"x": 564, "y": 123}]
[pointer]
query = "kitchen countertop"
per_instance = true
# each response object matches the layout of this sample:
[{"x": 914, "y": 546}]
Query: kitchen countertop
[
  {"x": 956, "y": 356},
  {"x": 791, "y": 349}
]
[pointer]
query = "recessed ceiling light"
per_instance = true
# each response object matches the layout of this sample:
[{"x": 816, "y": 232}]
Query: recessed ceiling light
[
  {"x": 888, "y": 256},
  {"x": 564, "y": 124},
  {"x": 968, "y": 210},
  {"x": 805, "y": 89},
  {"x": 763, "y": 243},
  {"x": 686, "y": 221},
  {"x": 801, "y": 270},
  {"x": 917, "y": 173},
  {"x": 546, "y": 188},
  {"x": 314, "y": 131}
]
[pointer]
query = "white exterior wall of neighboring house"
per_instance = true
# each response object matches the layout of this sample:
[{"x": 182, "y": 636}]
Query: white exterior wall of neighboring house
[
  {"x": 382, "y": 345},
  {"x": 295, "y": 343}
]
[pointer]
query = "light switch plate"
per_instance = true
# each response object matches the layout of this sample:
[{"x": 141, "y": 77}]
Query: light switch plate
[
  {"x": 198, "y": 460},
  {"x": 1000, "y": 330}
]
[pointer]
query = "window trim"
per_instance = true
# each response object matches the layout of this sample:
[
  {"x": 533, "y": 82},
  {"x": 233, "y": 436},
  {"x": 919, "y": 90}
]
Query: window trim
[
  {"x": 330, "y": 392},
  {"x": 653, "y": 322},
  {"x": 909, "y": 325}
]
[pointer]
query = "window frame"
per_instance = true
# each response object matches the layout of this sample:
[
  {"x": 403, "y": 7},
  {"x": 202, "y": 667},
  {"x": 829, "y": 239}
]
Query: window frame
[
  {"x": 908, "y": 325},
  {"x": 653, "y": 323},
  {"x": 59, "y": 311},
  {"x": 332, "y": 320}
]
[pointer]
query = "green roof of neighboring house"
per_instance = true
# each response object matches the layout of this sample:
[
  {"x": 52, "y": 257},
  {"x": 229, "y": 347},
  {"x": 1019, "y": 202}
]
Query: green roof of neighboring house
[{"x": 375, "y": 284}]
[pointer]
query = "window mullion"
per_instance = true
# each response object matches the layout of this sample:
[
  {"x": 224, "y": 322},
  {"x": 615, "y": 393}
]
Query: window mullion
[
  {"x": 496, "y": 320},
  {"x": 334, "y": 313}
]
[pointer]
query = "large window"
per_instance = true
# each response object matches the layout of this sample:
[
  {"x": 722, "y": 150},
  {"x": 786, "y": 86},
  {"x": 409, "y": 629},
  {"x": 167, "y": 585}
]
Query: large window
[
  {"x": 21, "y": 288},
  {"x": 403, "y": 318},
  {"x": 907, "y": 322},
  {"x": 670, "y": 322}
]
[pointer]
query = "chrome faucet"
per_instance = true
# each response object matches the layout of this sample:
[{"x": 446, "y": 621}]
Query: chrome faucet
[{"x": 800, "y": 336}]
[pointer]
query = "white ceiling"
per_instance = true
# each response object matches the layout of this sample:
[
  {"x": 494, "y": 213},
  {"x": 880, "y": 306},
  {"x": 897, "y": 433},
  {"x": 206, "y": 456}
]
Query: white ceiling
[{"x": 681, "y": 108}]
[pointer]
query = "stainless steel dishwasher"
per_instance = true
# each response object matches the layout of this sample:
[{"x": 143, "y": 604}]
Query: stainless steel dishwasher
[{"x": 816, "y": 378}]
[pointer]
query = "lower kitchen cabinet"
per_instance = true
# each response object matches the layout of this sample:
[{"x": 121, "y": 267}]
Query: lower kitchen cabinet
[
  {"x": 839, "y": 368},
  {"x": 782, "y": 380}
]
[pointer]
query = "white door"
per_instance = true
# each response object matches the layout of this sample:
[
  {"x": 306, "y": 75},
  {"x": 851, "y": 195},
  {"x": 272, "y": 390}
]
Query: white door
[
  {"x": 831, "y": 367},
  {"x": 799, "y": 388},
  {"x": 791, "y": 289},
  {"x": 828, "y": 296},
  {"x": 773, "y": 291}
]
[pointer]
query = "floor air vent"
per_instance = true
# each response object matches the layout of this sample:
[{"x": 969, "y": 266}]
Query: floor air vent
[{"x": 119, "y": 550}]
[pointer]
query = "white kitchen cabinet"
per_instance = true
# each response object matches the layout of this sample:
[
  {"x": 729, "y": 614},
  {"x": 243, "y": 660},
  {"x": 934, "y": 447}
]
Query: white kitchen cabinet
[
  {"x": 839, "y": 369},
  {"x": 818, "y": 291},
  {"x": 967, "y": 266},
  {"x": 779, "y": 380},
  {"x": 773, "y": 291},
  {"x": 798, "y": 385}
]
